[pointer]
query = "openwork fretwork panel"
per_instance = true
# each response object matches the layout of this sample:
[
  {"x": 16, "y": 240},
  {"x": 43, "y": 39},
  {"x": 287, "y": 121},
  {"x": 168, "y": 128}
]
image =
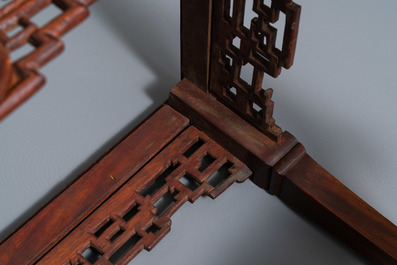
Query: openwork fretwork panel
[
  {"x": 32, "y": 29},
  {"x": 245, "y": 39},
  {"x": 137, "y": 216}
]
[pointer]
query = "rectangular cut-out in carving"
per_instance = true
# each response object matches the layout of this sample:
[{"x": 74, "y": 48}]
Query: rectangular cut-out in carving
[
  {"x": 264, "y": 40},
  {"x": 122, "y": 251},
  {"x": 152, "y": 221},
  {"x": 232, "y": 93},
  {"x": 220, "y": 175},
  {"x": 22, "y": 51},
  {"x": 153, "y": 229},
  {"x": 131, "y": 213},
  {"x": 280, "y": 26},
  {"x": 229, "y": 62},
  {"x": 247, "y": 73},
  {"x": 159, "y": 181},
  {"x": 164, "y": 203},
  {"x": 261, "y": 57},
  {"x": 236, "y": 42},
  {"x": 231, "y": 8},
  {"x": 255, "y": 23},
  {"x": 267, "y": 3},
  {"x": 47, "y": 14},
  {"x": 194, "y": 148},
  {"x": 103, "y": 227},
  {"x": 248, "y": 14},
  {"x": 92, "y": 255},
  {"x": 206, "y": 161},
  {"x": 98, "y": 188},
  {"x": 14, "y": 31},
  {"x": 189, "y": 181},
  {"x": 256, "y": 107},
  {"x": 116, "y": 235}
]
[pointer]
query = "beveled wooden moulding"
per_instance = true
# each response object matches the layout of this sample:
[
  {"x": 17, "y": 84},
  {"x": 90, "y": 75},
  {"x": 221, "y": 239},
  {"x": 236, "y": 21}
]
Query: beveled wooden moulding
[{"x": 215, "y": 129}]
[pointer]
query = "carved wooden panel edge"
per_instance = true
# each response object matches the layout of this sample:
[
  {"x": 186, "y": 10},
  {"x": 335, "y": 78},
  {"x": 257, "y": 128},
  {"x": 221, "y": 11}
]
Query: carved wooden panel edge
[
  {"x": 40, "y": 44},
  {"x": 137, "y": 216},
  {"x": 241, "y": 44}
]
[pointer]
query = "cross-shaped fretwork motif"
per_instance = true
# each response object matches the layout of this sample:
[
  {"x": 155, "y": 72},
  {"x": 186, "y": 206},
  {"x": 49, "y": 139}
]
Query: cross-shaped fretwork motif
[{"x": 238, "y": 46}]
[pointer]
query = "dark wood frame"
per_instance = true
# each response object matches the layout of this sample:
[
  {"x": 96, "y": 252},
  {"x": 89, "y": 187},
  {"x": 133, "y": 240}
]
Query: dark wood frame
[{"x": 281, "y": 167}]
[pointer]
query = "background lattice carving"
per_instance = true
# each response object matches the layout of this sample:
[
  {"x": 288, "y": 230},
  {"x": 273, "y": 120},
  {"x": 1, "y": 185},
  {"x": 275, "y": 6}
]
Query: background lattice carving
[
  {"x": 18, "y": 30},
  {"x": 237, "y": 46}
]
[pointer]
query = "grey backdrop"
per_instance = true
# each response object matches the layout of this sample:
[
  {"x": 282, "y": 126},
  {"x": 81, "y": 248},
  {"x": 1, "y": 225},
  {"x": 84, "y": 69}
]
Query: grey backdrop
[{"x": 339, "y": 100}]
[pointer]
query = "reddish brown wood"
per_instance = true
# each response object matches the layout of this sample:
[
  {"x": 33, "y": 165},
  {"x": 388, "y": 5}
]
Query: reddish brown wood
[
  {"x": 6, "y": 71},
  {"x": 296, "y": 179},
  {"x": 172, "y": 166},
  {"x": 68, "y": 225},
  {"x": 23, "y": 80},
  {"x": 71, "y": 206},
  {"x": 251, "y": 146},
  {"x": 311, "y": 190},
  {"x": 235, "y": 46},
  {"x": 196, "y": 44}
]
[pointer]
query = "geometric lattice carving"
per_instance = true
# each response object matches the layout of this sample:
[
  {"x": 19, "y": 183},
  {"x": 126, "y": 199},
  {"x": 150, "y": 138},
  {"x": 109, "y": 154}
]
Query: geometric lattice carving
[
  {"x": 137, "y": 216},
  {"x": 238, "y": 45},
  {"x": 17, "y": 30}
]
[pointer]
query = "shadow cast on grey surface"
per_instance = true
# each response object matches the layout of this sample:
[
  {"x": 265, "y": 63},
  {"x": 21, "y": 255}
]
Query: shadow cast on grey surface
[
  {"x": 75, "y": 174},
  {"x": 295, "y": 115},
  {"x": 303, "y": 234},
  {"x": 156, "y": 44},
  {"x": 121, "y": 20}
]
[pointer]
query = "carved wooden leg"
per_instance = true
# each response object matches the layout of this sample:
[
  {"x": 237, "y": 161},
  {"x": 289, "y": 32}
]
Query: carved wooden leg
[
  {"x": 284, "y": 169},
  {"x": 311, "y": 190}
]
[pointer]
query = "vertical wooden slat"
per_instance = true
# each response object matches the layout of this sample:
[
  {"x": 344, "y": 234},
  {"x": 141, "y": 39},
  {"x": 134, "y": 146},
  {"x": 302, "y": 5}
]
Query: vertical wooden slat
[{"x": 196, "y": 41}]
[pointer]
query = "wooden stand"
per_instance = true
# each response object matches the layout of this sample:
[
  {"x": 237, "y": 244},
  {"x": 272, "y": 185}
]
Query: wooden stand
[{"x": 215, "y": 129}]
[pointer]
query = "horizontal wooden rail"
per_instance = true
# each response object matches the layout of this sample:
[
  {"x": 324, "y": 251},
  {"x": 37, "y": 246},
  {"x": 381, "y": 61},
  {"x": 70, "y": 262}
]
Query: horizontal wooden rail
[
  {"x": 77, "y": 201},
  {"x": 284, "y": 169}
]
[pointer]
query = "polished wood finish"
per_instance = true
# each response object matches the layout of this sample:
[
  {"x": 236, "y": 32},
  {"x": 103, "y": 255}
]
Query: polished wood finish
[
  {"x": 196, "y": 44},
  {"x": 236, "y": 128},
  {"x": 175, "y": 174},
  {"x": 236, "y": 46},
  {"x": 6, "y": 71},
  {"x": 251, "y": 146},
  {"x": 77, "y": 201},
  {"x": 284, "y": 169},
  {"x": 312, "y": 191},
  {"x": 22, "y": 79}
]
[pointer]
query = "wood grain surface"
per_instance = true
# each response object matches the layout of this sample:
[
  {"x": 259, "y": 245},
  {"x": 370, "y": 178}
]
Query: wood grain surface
[
  {"x": 64, "y": 212},
  {"x": 311, "y": 190}
]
